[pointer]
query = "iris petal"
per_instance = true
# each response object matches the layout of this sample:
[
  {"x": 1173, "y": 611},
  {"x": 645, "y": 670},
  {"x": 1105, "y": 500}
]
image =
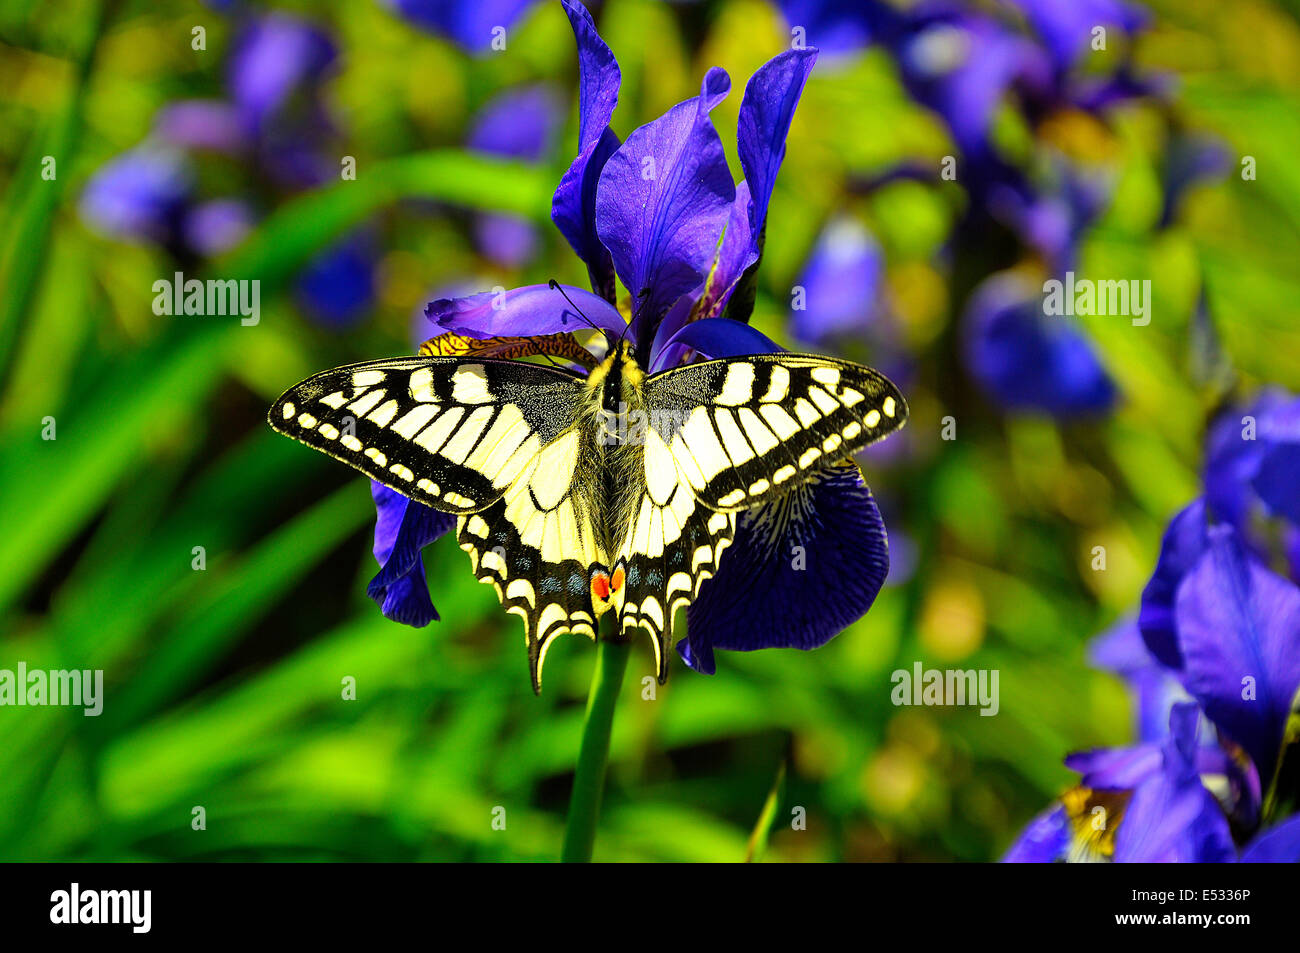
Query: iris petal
[
  {"x": 530, "y": 311},
  {"x": 713, "y": 338},
  {"x": 573, "y": 207},
  {"x": 798, "y": 572},
  {"x": 1239, "y": 633},
  {"x": 1281, "y": 845},
  {"x": 771, "y": 96},
  {"x": 1044, "y": 841},
  {"x": 1184, "y": 543},
  {"x": 1172, "y": 817},
  {"x": 402, "y": 529},
  {"x": 662, "y": 203},
  {"x": 1123, "y": 651}
]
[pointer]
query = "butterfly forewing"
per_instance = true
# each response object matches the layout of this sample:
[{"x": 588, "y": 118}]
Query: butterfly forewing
[
  {"x": 744, "y": 430},
  {"x": 444, "y": 431}
]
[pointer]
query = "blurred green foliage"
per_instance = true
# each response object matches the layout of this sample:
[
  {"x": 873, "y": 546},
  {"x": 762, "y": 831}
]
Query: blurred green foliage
[{"x": 224, "y": 685}]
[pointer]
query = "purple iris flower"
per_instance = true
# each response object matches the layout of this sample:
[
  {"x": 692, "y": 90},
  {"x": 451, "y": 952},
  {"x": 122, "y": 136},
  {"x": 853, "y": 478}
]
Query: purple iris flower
[
  {"x": 1218, "y": 636},
  {"x": 470, "y": 23},
  {"x": 661, "y": 214},
  {"x": 518, "y": 124},
  {"x": 1027, "y": 360}
]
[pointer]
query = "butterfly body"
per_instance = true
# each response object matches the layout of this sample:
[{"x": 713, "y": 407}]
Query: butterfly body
[{"x": 577, "y": 496}]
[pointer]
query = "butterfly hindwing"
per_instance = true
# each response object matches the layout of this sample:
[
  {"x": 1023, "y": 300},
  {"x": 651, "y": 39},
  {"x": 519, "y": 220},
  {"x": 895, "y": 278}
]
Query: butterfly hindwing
[
  {"x": 744, "y": 430},
  {"x": 536, "y": 548},
  {"x": 672, "y": 545},
  {"x": 445, "y": 431}
]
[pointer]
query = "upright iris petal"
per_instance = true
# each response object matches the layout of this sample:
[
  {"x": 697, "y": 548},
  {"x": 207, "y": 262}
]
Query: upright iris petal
[
  {"x": 573, "y": 207},
  {"x": 766, "y": 111},
  {"x": 1185, "y": 541},
  {"x": 1172, "y": 818},
  {"x": 1238, "y": 630},
  {"x": 403, "y": 528},
  {"x": 662, "y": 203}
]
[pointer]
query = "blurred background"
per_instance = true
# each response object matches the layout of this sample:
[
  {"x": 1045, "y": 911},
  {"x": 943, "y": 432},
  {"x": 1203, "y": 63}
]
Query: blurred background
[{"x": 944, "y": 162}]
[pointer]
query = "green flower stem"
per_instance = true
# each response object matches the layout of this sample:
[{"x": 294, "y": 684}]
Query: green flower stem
[{"x": 593, "y": 755}]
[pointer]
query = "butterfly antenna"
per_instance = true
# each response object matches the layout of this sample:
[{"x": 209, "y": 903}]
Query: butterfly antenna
[{"x": 592, "y": 324}]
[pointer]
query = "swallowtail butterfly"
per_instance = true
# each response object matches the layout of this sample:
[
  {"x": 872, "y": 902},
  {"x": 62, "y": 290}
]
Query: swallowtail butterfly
[{"x": 576, "y": 496}]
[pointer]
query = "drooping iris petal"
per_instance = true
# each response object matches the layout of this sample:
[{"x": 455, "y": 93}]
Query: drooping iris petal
[
  {"x": 274, "y": 56},
  {"x": 1123, "y": 651},
  {"x": 573, "y": 207},
  {"x": 402, "y": 529},
  {"x": 141, "y": 194},
  {"x": 1028, "y": 361},
  {"x": 713, "y": 338},
  {"x": 1184, "y": 542},
  {"x": 1171, "y": 817},
  {"x": 518, "y": 124},
  {"x": 1067, "y": 25},
  {"x": 1044, "y": 841},
  {"x": 799, "y": 570},
  {"x": 662, "y": 203},
  {"x": 530, "y": 311},
  {"x": 337, "y": 287},
  {"x": 469, "y": 23},
  {"x": 1279, "y": 845},
  {"x": 840, "y": 284},
  {"x": 1239, "y": 633}
]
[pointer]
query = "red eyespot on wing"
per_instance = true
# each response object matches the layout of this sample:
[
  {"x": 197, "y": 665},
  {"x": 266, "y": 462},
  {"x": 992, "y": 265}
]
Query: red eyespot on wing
[
  {"x": 616, "y": 583},
  {"x": 600, "y": 585}
]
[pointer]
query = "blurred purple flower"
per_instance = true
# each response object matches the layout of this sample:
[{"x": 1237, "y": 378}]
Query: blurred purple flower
[
  {"x": 1026, "y": 360},
  {"x": 518, "y": 124},
  {"x": 143, "y": 194},
  {"x": 470, "y": 23},
  {"x": 337, "y": 286},
  {"x": 840, "y": 289},
  {"x": 274, "y": 123}
]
